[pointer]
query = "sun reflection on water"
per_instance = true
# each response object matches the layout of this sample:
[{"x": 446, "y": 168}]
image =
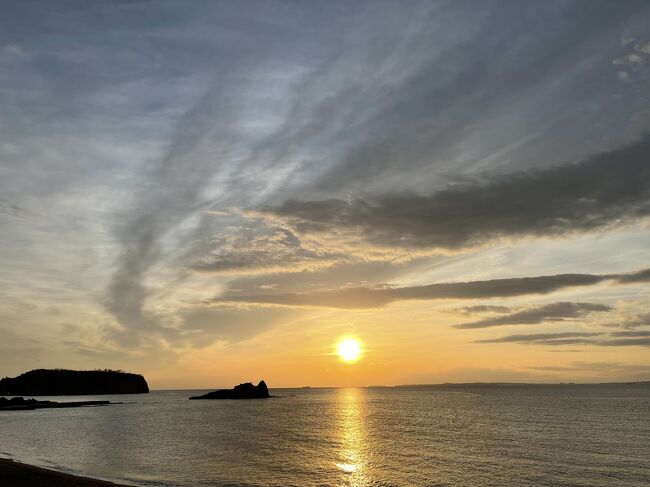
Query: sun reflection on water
[{"x": 352, "y": 438}]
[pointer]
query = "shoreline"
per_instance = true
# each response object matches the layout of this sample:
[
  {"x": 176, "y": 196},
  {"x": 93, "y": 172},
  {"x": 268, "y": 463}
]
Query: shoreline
[{"x": 16, "y": 474}]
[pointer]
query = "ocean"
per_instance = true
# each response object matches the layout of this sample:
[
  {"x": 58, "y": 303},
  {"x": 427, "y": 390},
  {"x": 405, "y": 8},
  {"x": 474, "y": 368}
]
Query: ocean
[{"x": 562, "y": 435}]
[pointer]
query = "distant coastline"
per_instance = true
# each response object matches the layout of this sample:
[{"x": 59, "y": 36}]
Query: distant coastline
[{"x": 519, "y": 384}]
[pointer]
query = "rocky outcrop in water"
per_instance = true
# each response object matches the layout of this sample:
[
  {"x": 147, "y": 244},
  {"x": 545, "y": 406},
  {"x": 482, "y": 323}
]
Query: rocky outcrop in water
[
  {"x": 22, "y": 404},
  {"x": 242, "y": 391},
  {"x": 61, "y": 382}
]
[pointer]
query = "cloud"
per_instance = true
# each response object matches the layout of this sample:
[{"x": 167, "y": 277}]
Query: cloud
[
  {"x": 563, "y": 338},
  {"x": 572, "y": 338},
  {"x": 12, "y": 49},
  {"x": 344, "y": 274},
  {"x": 643, "y": 47},
  {"x": 636, "y": 322},
  {"x": 202, "y": 326},
  {"x": 628, "y": 60},
  {"x": 262, "y": 250},
  {"x": 630, "y": 318},
  {"x": 18, "y": 351},
  {"x": 363, "y": 297},
  {"x": 634, "y": 277},
  {"x": 484, "y": 308},
  {"x": 9, "y": 209},
  {"x": 550, "y": 312},
  {"x": 169, "y": 195},
  {"x": 609, "y": 188},
  {"x": 637, "y": 334},
  {"x": 449, "y": 106},
  {"x": 625, "y": 342},
  {"x": 125, "y": 135}
]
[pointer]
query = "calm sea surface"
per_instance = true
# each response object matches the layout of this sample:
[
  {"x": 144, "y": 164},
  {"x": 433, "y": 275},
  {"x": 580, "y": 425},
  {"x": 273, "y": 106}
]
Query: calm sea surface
[{"x": 466, "y": 436}]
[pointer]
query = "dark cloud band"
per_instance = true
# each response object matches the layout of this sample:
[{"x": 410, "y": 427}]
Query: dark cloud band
[
  {"x": 566, "y": 338},
  {"x": 602, "y": 190},
  {"x": 550, "y": 312},
  {"x": 571, "y": 338},
  {"x": 361, "y": 297}
]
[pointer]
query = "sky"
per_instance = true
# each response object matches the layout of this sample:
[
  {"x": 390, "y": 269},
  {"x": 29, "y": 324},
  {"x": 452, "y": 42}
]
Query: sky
[{"x": 210, "y": 192}]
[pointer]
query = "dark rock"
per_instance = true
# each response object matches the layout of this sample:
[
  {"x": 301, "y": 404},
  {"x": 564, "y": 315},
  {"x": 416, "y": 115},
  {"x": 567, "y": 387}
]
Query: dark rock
[
  {"x": 242, "y": 391},
  {"x": 60, "y": 382},
  {"x": 21, "y": 404}
]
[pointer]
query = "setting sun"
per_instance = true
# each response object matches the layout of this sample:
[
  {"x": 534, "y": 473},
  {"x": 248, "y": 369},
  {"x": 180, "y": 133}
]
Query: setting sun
[{"x": 349, "y": 350}]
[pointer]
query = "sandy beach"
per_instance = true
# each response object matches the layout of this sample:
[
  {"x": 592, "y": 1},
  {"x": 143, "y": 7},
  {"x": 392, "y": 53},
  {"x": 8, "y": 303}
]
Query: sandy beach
[{"x": 14, "y": 474}]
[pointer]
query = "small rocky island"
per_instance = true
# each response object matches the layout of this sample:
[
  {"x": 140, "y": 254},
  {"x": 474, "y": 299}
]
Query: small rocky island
[
  {"x": 242, "y": 391},
  {"x": 62, "y": 382}
]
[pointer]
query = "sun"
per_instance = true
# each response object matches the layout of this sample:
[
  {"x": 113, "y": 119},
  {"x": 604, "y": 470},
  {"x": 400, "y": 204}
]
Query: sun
[{"x": 349, "y": 350}]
